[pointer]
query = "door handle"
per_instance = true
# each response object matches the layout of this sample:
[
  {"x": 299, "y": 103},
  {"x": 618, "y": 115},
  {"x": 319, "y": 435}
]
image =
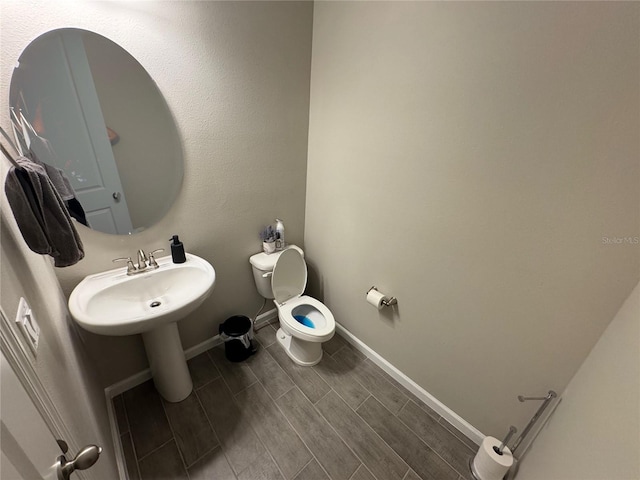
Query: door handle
[
  {"x": 116, "y": 196},
  {"x": 84, "y": 459}
]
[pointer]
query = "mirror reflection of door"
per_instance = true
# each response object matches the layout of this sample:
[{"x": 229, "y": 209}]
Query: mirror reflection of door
[
  {"x": 73, "y": 124},
  {"x": 140, "y": 128}
]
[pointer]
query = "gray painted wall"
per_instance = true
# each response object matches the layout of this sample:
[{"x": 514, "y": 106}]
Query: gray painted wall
[
  {"x": 593, "y": 434},
  {"x": 469, "y": 158}
]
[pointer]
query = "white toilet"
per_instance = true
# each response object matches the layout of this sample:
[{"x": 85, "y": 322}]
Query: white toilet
[{"x": 305, "y": 323}]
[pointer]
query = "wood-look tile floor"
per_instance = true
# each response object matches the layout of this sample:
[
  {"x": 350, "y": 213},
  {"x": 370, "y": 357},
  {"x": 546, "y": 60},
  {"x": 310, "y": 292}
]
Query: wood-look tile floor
[{"x": 270, "y": 419}]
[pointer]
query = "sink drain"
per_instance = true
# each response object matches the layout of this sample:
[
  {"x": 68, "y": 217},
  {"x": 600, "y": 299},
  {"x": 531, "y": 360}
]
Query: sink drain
[{"x": 154, "y": 304}]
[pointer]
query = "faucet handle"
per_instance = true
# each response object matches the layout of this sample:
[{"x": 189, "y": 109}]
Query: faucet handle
[
  {"x": 130, "y": 266},
  {"x": 152, "y": 259}
]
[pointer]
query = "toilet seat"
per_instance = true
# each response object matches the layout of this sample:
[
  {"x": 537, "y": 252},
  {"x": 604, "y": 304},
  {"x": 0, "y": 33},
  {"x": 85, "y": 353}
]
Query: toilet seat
[
  {"x": 293, "y": 327},
  {"x": 288, "y": 281}
]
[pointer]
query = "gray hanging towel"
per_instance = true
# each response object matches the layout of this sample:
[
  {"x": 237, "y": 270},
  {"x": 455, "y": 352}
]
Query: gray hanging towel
[
  {"x": 43, "y": 154},
  {"x": 41, "y": 214}
]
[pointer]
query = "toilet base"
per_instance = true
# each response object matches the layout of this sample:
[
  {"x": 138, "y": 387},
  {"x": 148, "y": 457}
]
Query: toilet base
[{"x": 301, "y": 352}]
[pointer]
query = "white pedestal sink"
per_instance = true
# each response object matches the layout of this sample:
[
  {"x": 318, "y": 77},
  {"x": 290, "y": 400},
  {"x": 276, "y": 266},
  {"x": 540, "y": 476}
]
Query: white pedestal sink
[{"x": 149, "y": 303}]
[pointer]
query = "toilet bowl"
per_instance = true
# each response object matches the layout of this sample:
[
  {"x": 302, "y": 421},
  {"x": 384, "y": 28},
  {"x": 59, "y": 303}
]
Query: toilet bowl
[{"x": 305, "y": 322}]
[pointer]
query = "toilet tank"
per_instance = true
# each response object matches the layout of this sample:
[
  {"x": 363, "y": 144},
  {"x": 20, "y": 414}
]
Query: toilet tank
[{"x": 262, "y": 265}]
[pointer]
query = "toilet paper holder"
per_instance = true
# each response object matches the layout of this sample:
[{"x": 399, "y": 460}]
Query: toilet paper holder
[{"x": 386, "y": 301}]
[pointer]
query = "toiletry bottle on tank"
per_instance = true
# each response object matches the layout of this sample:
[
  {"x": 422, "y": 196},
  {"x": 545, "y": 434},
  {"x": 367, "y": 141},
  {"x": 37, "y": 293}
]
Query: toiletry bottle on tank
[{"x": 279, "y": 234}]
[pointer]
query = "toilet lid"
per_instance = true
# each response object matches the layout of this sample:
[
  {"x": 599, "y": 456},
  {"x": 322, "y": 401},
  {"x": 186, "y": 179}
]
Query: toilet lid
[{"x": 289, "y": 277}]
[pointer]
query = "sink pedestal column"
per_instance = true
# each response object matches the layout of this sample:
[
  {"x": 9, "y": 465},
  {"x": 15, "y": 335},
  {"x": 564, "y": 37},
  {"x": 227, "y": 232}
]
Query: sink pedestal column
[{"x": 167, "y": 362}]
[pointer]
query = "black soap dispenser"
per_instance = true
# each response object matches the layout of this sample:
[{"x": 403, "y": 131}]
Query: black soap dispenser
[{"x": 177, "y": 250}]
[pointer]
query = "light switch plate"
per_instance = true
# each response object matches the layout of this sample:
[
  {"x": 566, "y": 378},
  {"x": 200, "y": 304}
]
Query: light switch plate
[{"x": 28, "y": 325}]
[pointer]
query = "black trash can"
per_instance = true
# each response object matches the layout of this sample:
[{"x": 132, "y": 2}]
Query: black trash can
[{"x": 237, "y": 333}]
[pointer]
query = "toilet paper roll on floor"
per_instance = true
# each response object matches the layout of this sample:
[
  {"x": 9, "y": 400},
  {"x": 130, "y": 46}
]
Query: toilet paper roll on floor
[
  {"x": 489, "y": 465},
  {"x": 375, "y": 298}
]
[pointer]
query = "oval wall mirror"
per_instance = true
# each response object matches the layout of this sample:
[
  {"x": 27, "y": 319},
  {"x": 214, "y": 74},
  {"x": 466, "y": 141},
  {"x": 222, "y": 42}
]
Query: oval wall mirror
[{"x": 88, "y": 109}]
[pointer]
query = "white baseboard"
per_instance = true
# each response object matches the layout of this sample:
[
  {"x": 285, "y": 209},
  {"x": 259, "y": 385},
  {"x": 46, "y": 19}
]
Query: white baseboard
[
  {"x": 445, "y": 412},
  {"x": 267, "y": 317},
  {"x": 115, "y": 438}
]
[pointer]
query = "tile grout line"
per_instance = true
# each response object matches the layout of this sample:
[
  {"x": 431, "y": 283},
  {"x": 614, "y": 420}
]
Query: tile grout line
[
  {"x": 206, "y": 354},
  {"x": 135, "y": 455},
  {"x": 135, "y": 458},
  {"x": 305, "y": 466},
  {"x": 245, "y": 386},
  {"x": 195, "y": 390},
  {"x": 225, "y": 380},
  {"x": 428, "y": 446},
  {"x": 213, "y": 430},
  {"x": 343, "y": 440},
  {"x": 264, "y": 327},
  {"x": 354, "y": 473},
  {"x": 235, "y": 401},
  {"x": 126, "y": 414},
  {"x": 222, "y": 449},
  {"x": 138, "y": 460},
  {"x": 350, "y": 371},
  {"x": 201, "y": 457},
  {"x": 206, "y": 383},
  {"x": 382, "y": 439},
  {"x": 314, "y": 404},
  {"x": 294, "y": 430},
  {"x": 450, "y": 428},
  {"x": 379, "y": 376},
  {"x": 313, "y": 456},
  {"x": 368, "y": 397},
  {"x": 242, "y": 389},
  {"x": 411, "y": 396},
  {"x": 155, "y": 450},
  {"x": 438, "y": 418},
  {"x": 408, "y": 472},
  {"x": 402, "y": 408},
  {"x": 282, "y": 394},
  {"x": 273, "y": 460},
  {"x": 173, "y": 435},
  {"x": 336, "y": 392},
  {"x": 128, "y": 432},
  {"x": 293, "y": 383},
  {"x": 341, "y": 397},
  {"x": 277, "y": 363},
  {"x": 385, "y": 442},
  {"x": 341, "y": 347}
]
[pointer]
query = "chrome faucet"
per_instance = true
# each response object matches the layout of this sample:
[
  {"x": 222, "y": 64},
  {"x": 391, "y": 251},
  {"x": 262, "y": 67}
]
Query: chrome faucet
[{"x": 144, "y": 262}]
